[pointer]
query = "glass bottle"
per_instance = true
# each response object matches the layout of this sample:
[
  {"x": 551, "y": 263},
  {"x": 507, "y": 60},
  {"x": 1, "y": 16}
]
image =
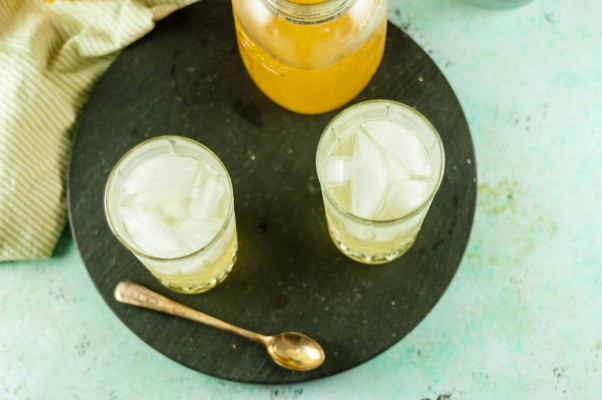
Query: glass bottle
[{"x": 311, "y": 56}]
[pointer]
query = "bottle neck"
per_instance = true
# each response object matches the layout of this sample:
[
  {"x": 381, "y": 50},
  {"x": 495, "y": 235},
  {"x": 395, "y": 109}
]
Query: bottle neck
[{"x": 308, "y": 11}]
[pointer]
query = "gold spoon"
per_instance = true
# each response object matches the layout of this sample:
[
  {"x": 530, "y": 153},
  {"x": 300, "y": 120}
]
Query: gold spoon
[{"x": 290, "y": 350}]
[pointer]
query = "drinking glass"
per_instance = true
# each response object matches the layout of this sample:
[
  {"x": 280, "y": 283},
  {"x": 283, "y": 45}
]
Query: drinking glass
[
  {"x": 380, "y": 164},
  {"x": 169, "y": 201}
]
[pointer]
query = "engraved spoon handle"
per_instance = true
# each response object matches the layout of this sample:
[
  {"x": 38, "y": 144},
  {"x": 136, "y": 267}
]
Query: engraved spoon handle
[{"x": 129, "y": 292}]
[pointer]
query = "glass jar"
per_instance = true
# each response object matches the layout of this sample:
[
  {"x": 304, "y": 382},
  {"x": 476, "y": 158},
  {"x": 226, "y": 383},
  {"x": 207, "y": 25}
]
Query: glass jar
[{"x": 311, "y": 56}]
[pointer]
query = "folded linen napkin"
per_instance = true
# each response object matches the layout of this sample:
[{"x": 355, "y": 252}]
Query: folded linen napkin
[{"x": 50, "y": 55}]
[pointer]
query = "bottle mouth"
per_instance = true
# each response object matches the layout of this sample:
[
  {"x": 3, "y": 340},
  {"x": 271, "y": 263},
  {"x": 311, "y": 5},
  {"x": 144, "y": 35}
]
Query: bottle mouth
[{"x": 307, "y": 12}]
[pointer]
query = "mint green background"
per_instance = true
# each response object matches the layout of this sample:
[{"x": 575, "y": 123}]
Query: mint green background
[{"x": 523, "y": 316}]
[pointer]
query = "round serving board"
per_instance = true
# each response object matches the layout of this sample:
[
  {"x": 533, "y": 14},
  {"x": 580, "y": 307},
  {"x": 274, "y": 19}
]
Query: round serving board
[{"x": 186, "y": 78}]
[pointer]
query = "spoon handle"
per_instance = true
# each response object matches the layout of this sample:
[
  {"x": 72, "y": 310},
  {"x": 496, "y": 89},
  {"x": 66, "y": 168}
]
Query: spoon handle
[{"x": 129, "y": 292}]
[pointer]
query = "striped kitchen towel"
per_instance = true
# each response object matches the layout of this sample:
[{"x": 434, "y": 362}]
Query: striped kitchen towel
[{"x": 50, "y": 55}]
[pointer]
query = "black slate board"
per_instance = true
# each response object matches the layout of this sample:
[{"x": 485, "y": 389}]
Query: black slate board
[{"x": 186, "y": 78}]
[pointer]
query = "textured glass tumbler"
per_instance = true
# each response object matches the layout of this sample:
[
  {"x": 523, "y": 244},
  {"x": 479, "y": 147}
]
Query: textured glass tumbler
[
  {"x": 500, "y": 4},
  {"x": 380, "y": 164},
  {"x": 169, "y": 201}
]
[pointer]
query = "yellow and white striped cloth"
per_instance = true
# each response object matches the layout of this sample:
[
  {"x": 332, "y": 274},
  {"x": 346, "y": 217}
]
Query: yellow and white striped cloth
[{"x": 50, "y": 55}]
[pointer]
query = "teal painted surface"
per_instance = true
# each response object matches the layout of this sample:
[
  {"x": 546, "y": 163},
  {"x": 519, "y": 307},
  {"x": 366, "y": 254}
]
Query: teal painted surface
[{"x": 520, "y": 320}]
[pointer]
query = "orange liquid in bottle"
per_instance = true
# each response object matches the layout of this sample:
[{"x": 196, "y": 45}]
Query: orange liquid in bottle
[{"x": 309, "y": 68}]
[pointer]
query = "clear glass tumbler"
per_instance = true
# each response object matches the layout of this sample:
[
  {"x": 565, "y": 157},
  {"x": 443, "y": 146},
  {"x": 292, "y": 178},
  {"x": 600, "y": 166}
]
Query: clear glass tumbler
[
  {"x": 380, "y": 164},
  {"x": 169, "y": 201}
]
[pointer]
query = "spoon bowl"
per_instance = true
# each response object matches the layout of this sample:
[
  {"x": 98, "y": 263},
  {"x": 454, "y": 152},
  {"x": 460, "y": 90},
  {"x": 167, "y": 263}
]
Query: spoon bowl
[
  {"x": 290, "y": 350},
  {"x": 295, "y": 351}
]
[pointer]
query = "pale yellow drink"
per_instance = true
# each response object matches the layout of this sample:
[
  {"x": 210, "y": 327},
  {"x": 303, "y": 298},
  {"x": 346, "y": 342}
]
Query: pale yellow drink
[
  {"x": 203, "y": 272},
  {"x": 380, "y": 164},
  {"x": 169, "y": 200}
]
